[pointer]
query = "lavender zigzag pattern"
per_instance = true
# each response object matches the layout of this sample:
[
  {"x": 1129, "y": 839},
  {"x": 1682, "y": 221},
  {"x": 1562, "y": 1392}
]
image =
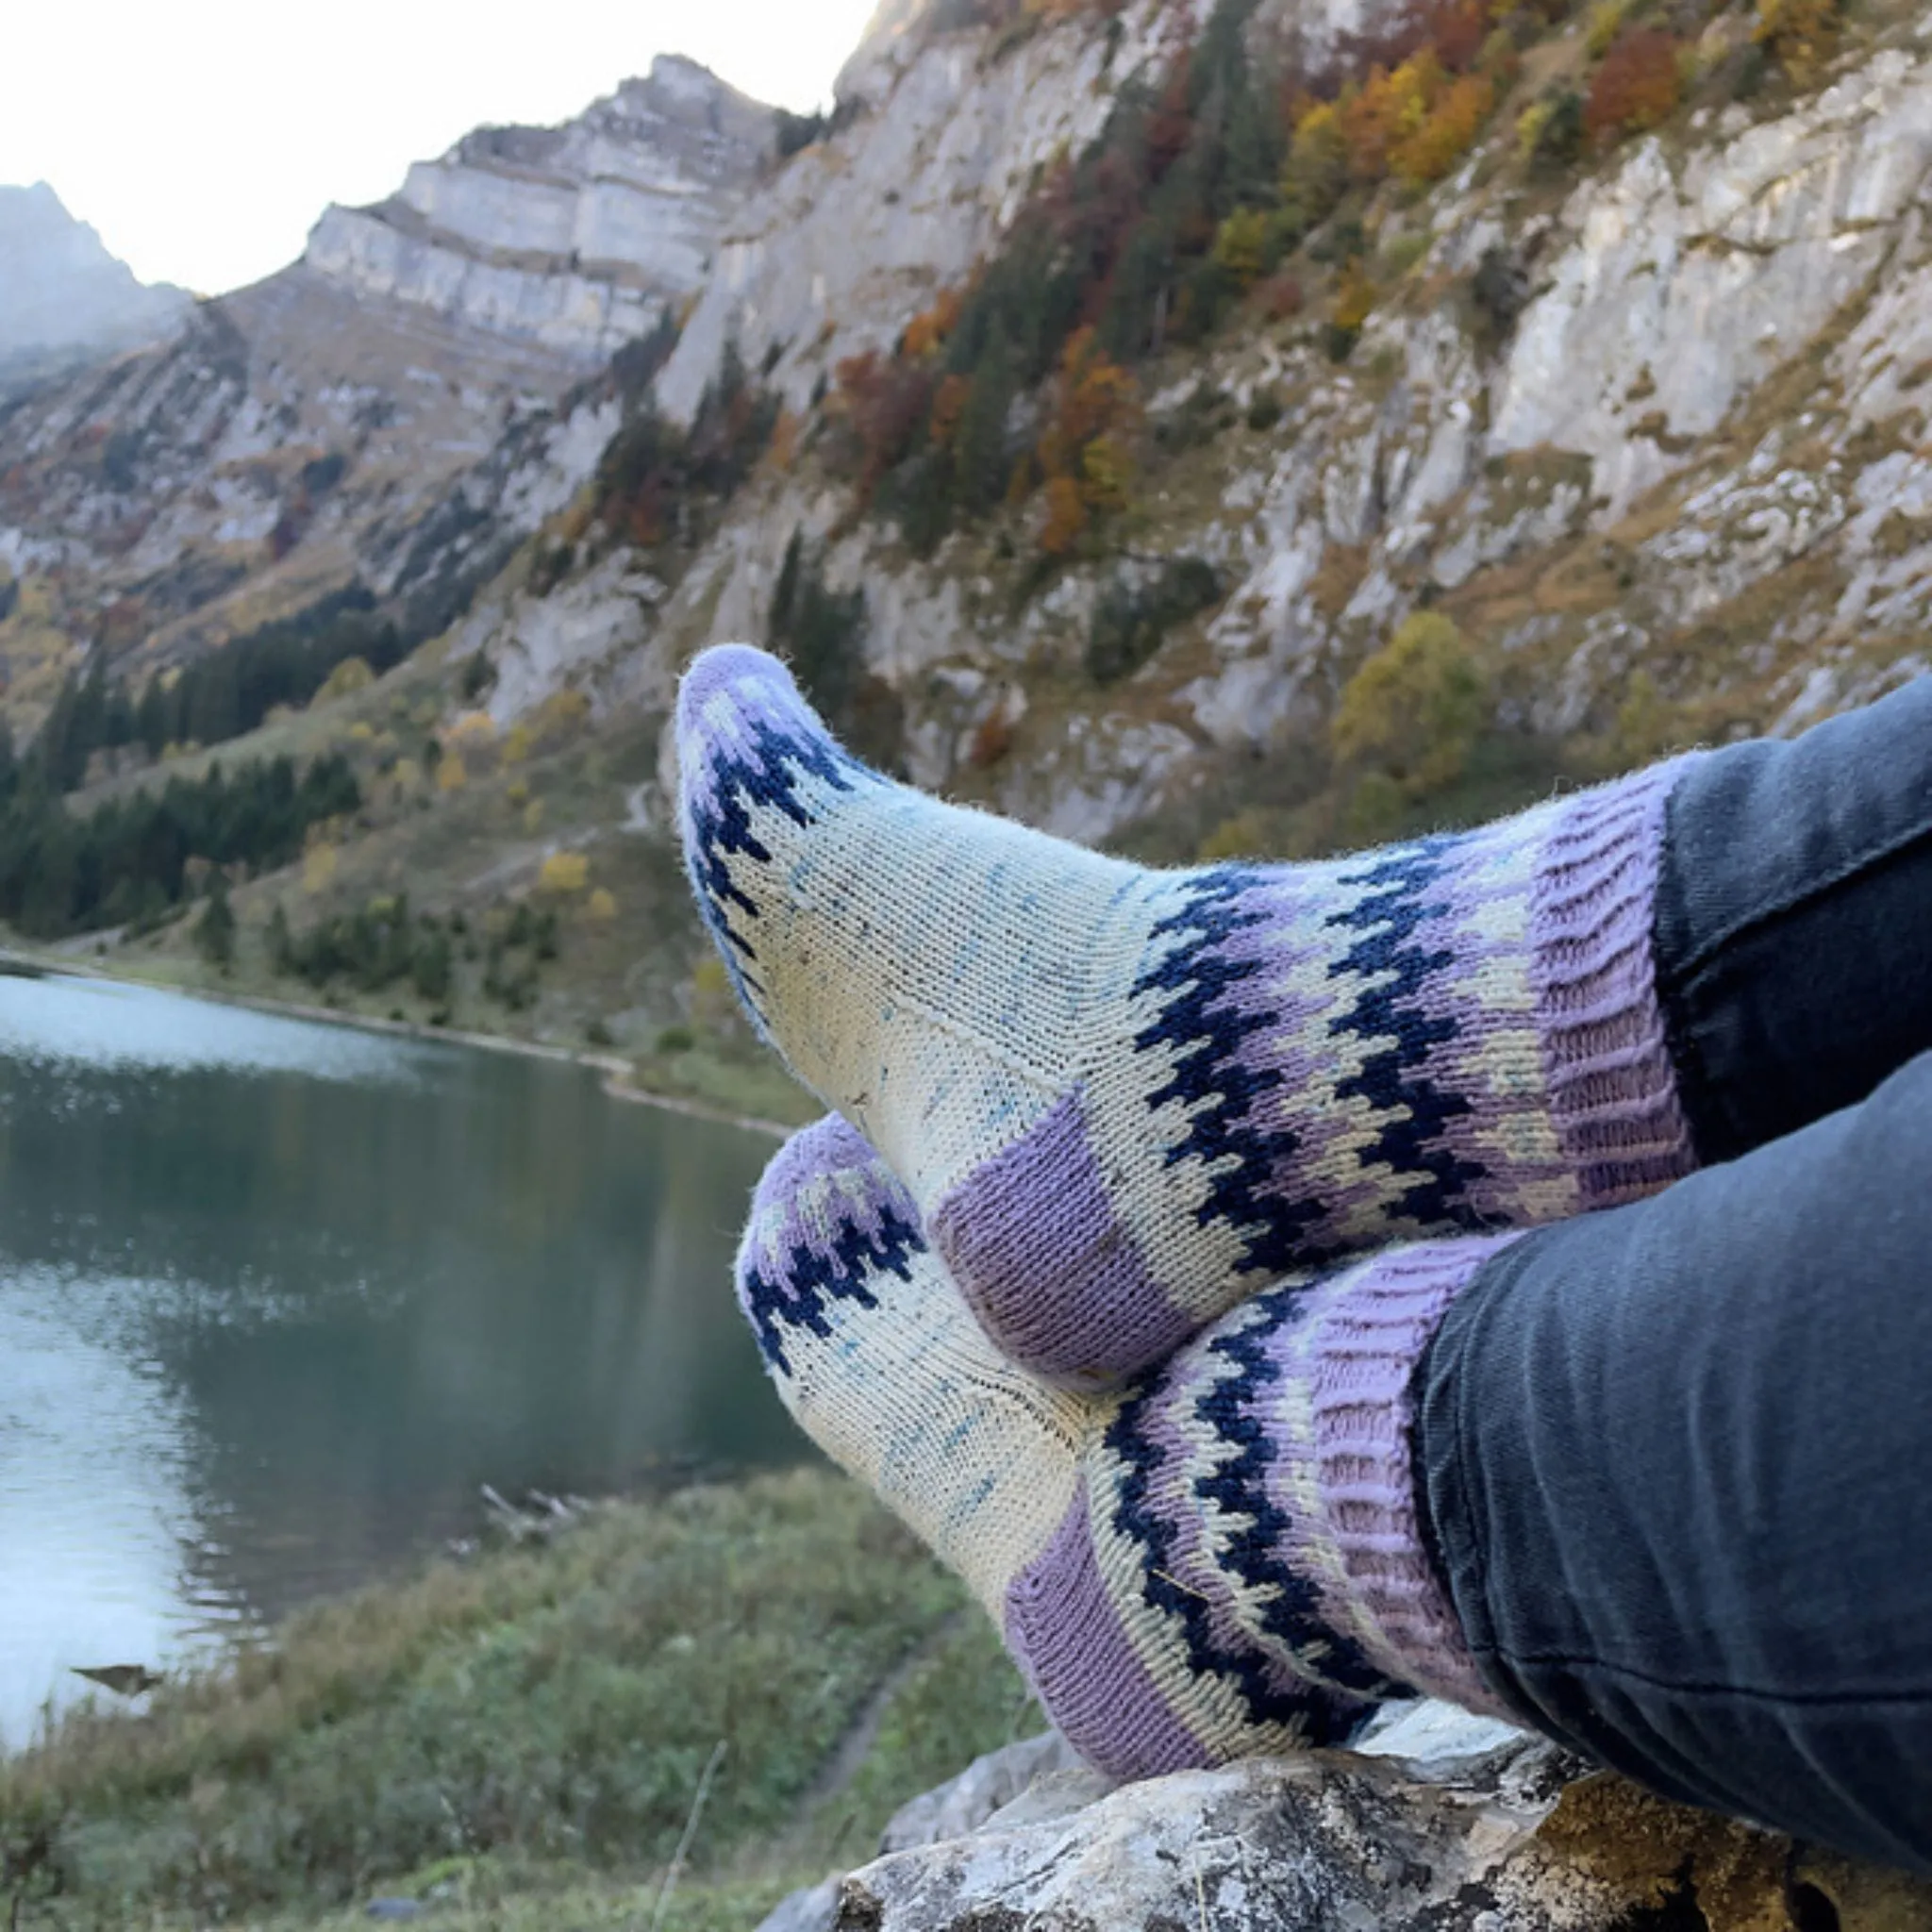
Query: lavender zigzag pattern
[
  {"x": 1303, "y": 1678},
  {"x": 1497, "y": 988},
  {"x": 828, "y": 1219},
  {"x": 1263, "y": 975},
  {"x": 1253, "y": 1605}
]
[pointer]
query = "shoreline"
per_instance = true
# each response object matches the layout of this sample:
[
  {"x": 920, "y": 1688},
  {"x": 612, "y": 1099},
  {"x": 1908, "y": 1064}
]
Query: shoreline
[{"x": 617, "y": 1077}]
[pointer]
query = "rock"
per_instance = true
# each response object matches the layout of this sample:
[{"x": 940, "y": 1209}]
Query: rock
[
  {"x": 1680, "y": 288},
  {"x": 943, "y": 145},
  {"x": 394, "y": 1910},
  {"x": 574, "y": 237},
  {"x": 815, "y": 1909},
  {"x": 1443, "y": 1823},
  {"x": 991, "y": 1785}
]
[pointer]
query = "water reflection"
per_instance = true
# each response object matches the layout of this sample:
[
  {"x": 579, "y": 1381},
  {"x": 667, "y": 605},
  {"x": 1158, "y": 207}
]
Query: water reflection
[{"x": 276, "y": 1298}]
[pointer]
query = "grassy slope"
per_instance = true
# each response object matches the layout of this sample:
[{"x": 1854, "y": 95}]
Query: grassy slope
[{"x": 519, "y": 1737}]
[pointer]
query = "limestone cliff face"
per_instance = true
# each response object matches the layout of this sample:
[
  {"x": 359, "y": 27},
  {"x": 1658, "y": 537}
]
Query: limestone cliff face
[
  {"x": 1696, "y": 452},
  {"x": 941, "y": 146},
  {"x": 62, "y": 296},
  {"x": 576, "y": 237},
  {"x": 398, "y": 408},
  {"x": 944, "y": 135}
]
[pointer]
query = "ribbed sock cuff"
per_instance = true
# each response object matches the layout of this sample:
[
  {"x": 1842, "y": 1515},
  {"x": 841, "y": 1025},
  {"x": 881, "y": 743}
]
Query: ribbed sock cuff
[
  {"x": 1613, "y": 1090},
  {"x": 1366, "y": 1332}
]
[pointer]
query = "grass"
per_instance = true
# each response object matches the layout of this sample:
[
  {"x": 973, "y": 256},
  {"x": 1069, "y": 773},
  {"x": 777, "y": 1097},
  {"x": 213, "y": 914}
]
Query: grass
[{"x": 520, "y": 1737}]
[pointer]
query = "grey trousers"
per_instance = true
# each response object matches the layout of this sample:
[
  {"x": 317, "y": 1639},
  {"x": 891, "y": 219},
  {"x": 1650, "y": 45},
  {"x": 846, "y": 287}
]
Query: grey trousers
[{"x": 1676, "y": 1459}]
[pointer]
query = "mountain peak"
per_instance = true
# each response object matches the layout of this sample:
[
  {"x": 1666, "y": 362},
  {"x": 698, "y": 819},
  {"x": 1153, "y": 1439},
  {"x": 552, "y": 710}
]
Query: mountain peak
[
  {"x": 62, "y": 295},
  {"x": 575, "y": 238}
]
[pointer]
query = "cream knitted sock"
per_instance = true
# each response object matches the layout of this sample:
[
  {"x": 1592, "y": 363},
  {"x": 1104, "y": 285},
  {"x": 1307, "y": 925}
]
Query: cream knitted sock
[
  {"x": 1221, "y": 1562},
  {"x": 1122, "y": 1099}
]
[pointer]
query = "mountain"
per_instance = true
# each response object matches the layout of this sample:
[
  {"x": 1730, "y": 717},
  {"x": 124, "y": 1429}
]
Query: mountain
[
  {"x": 290, "y": 439},
  {"x": 63, "y": 298},
  {"x": 579, "y": 238},
  {"x": 1196, "y": 426}
]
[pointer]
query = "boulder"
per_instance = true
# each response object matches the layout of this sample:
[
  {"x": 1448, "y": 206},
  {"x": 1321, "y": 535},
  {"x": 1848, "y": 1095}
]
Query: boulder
[{"x": 1438, "y": 1822}]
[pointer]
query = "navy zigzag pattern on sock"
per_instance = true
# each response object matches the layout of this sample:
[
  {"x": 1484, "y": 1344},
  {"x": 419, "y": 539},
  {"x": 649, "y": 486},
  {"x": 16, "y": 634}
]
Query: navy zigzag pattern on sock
[
  {"x": 799, "y": 1295},
  {"x": 1207, "y": 1034},
  {"x": 1260, "y": 1555},
  {"x": 1321, "y": 1717},
  {"x": 721, "y": 827},
  {"x": 1417, "y": 1110}
]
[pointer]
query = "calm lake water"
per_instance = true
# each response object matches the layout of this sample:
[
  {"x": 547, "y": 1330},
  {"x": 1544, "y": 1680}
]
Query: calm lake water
[{"x": 276, "y": 1298}]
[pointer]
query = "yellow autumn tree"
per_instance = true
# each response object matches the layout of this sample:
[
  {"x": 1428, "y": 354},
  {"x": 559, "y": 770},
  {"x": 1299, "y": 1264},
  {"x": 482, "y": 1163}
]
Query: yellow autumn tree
[
  {"x": 1414, "y": 711},
  {"x": 1447, "y": 131},
  {"x": 564, "y": 873},
  {"x": 319, "y": 868}
]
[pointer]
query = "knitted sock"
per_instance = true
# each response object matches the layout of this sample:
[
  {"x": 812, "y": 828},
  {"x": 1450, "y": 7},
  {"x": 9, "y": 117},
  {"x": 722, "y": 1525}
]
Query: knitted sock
[
  {"x": 1221, "y": 1562},
  {"x": 1126, "y": 1099}
]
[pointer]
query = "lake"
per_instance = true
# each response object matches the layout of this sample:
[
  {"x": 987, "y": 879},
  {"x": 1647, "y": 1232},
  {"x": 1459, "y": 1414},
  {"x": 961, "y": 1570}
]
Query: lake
[{"x": 276, "y": 1298}]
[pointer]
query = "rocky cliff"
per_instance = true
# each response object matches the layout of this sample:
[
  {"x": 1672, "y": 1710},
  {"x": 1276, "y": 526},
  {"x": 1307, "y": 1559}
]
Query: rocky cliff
[
  {"x": 1690, "y": 448},
  {"x": 579, "y": 238},
  {"x": 293, "y": 437},
  {"x": 63, "y": 298}
]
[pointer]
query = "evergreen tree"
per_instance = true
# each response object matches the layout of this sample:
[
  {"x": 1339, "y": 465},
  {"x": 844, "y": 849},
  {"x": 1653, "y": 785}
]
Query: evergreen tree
[
  {"x": 980, "y": 462},
  {"x": 214, "y": 935}
]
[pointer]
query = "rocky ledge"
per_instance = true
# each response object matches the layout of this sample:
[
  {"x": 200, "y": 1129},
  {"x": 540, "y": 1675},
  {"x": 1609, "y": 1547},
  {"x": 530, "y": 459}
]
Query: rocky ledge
[
  {"x": 578, "y": 237},
  {"x": 1440, "y": 1822}
]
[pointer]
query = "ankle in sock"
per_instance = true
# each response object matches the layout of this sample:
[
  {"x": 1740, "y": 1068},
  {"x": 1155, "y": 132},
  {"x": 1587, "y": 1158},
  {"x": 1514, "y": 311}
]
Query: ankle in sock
[
  {"x": 1123, "y": 1100},
  {"x": 1223, "y": 1561}
]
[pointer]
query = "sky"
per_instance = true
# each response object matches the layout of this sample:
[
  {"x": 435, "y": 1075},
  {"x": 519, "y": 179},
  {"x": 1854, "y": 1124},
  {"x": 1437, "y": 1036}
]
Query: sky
[{"x": 202, "y": 138}]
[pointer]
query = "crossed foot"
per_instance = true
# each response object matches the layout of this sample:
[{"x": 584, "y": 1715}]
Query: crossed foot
[
  {"x": 1125, "y": 1100},
  {"x": 1097, "y": 1119}
]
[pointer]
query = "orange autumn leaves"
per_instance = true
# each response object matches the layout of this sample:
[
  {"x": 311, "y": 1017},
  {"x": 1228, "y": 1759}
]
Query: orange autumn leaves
[{"x": 1414, "y": 121}]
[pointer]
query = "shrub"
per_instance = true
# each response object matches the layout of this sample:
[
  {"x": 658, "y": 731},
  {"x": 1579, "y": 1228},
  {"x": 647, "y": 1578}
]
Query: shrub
[
  {"x": 1128, "y": 625},
  {"x": 1638, "y": 86},
  {"x": 1499, "y": 291},
  {"x": 1355, "y": 300},
  {"x": 883, "y": 404},
  {"x": 1550, "y": 135},
  {"x": 1414, "y": 711},
  {"x": 564, "y": 873},
  {"x": 1387, "y": 108},
  {"x": 1801, "y": 34},
  {"x": 214, "y": 932},
  {"x": 1605, "y": 22},
  {"x": 797, "y": 132},
  {"x": 1283, "y": 298},
  {"x": 1244, "y": 246},
  {"x": 1316, "y": 177},
  {"x": 1066, "y": 517}
]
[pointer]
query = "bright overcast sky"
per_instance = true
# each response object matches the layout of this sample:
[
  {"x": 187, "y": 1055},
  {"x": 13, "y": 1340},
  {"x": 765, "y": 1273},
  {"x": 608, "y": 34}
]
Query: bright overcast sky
[{"x": 202, "y": 138}]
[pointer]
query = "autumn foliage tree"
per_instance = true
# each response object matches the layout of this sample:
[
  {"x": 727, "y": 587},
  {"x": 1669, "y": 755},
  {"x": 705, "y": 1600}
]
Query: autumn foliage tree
[
  {"x": 1638, "y": 85},
  {"x": 1084, "y": 453},
  {"x": 1801, "y": 34}
]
